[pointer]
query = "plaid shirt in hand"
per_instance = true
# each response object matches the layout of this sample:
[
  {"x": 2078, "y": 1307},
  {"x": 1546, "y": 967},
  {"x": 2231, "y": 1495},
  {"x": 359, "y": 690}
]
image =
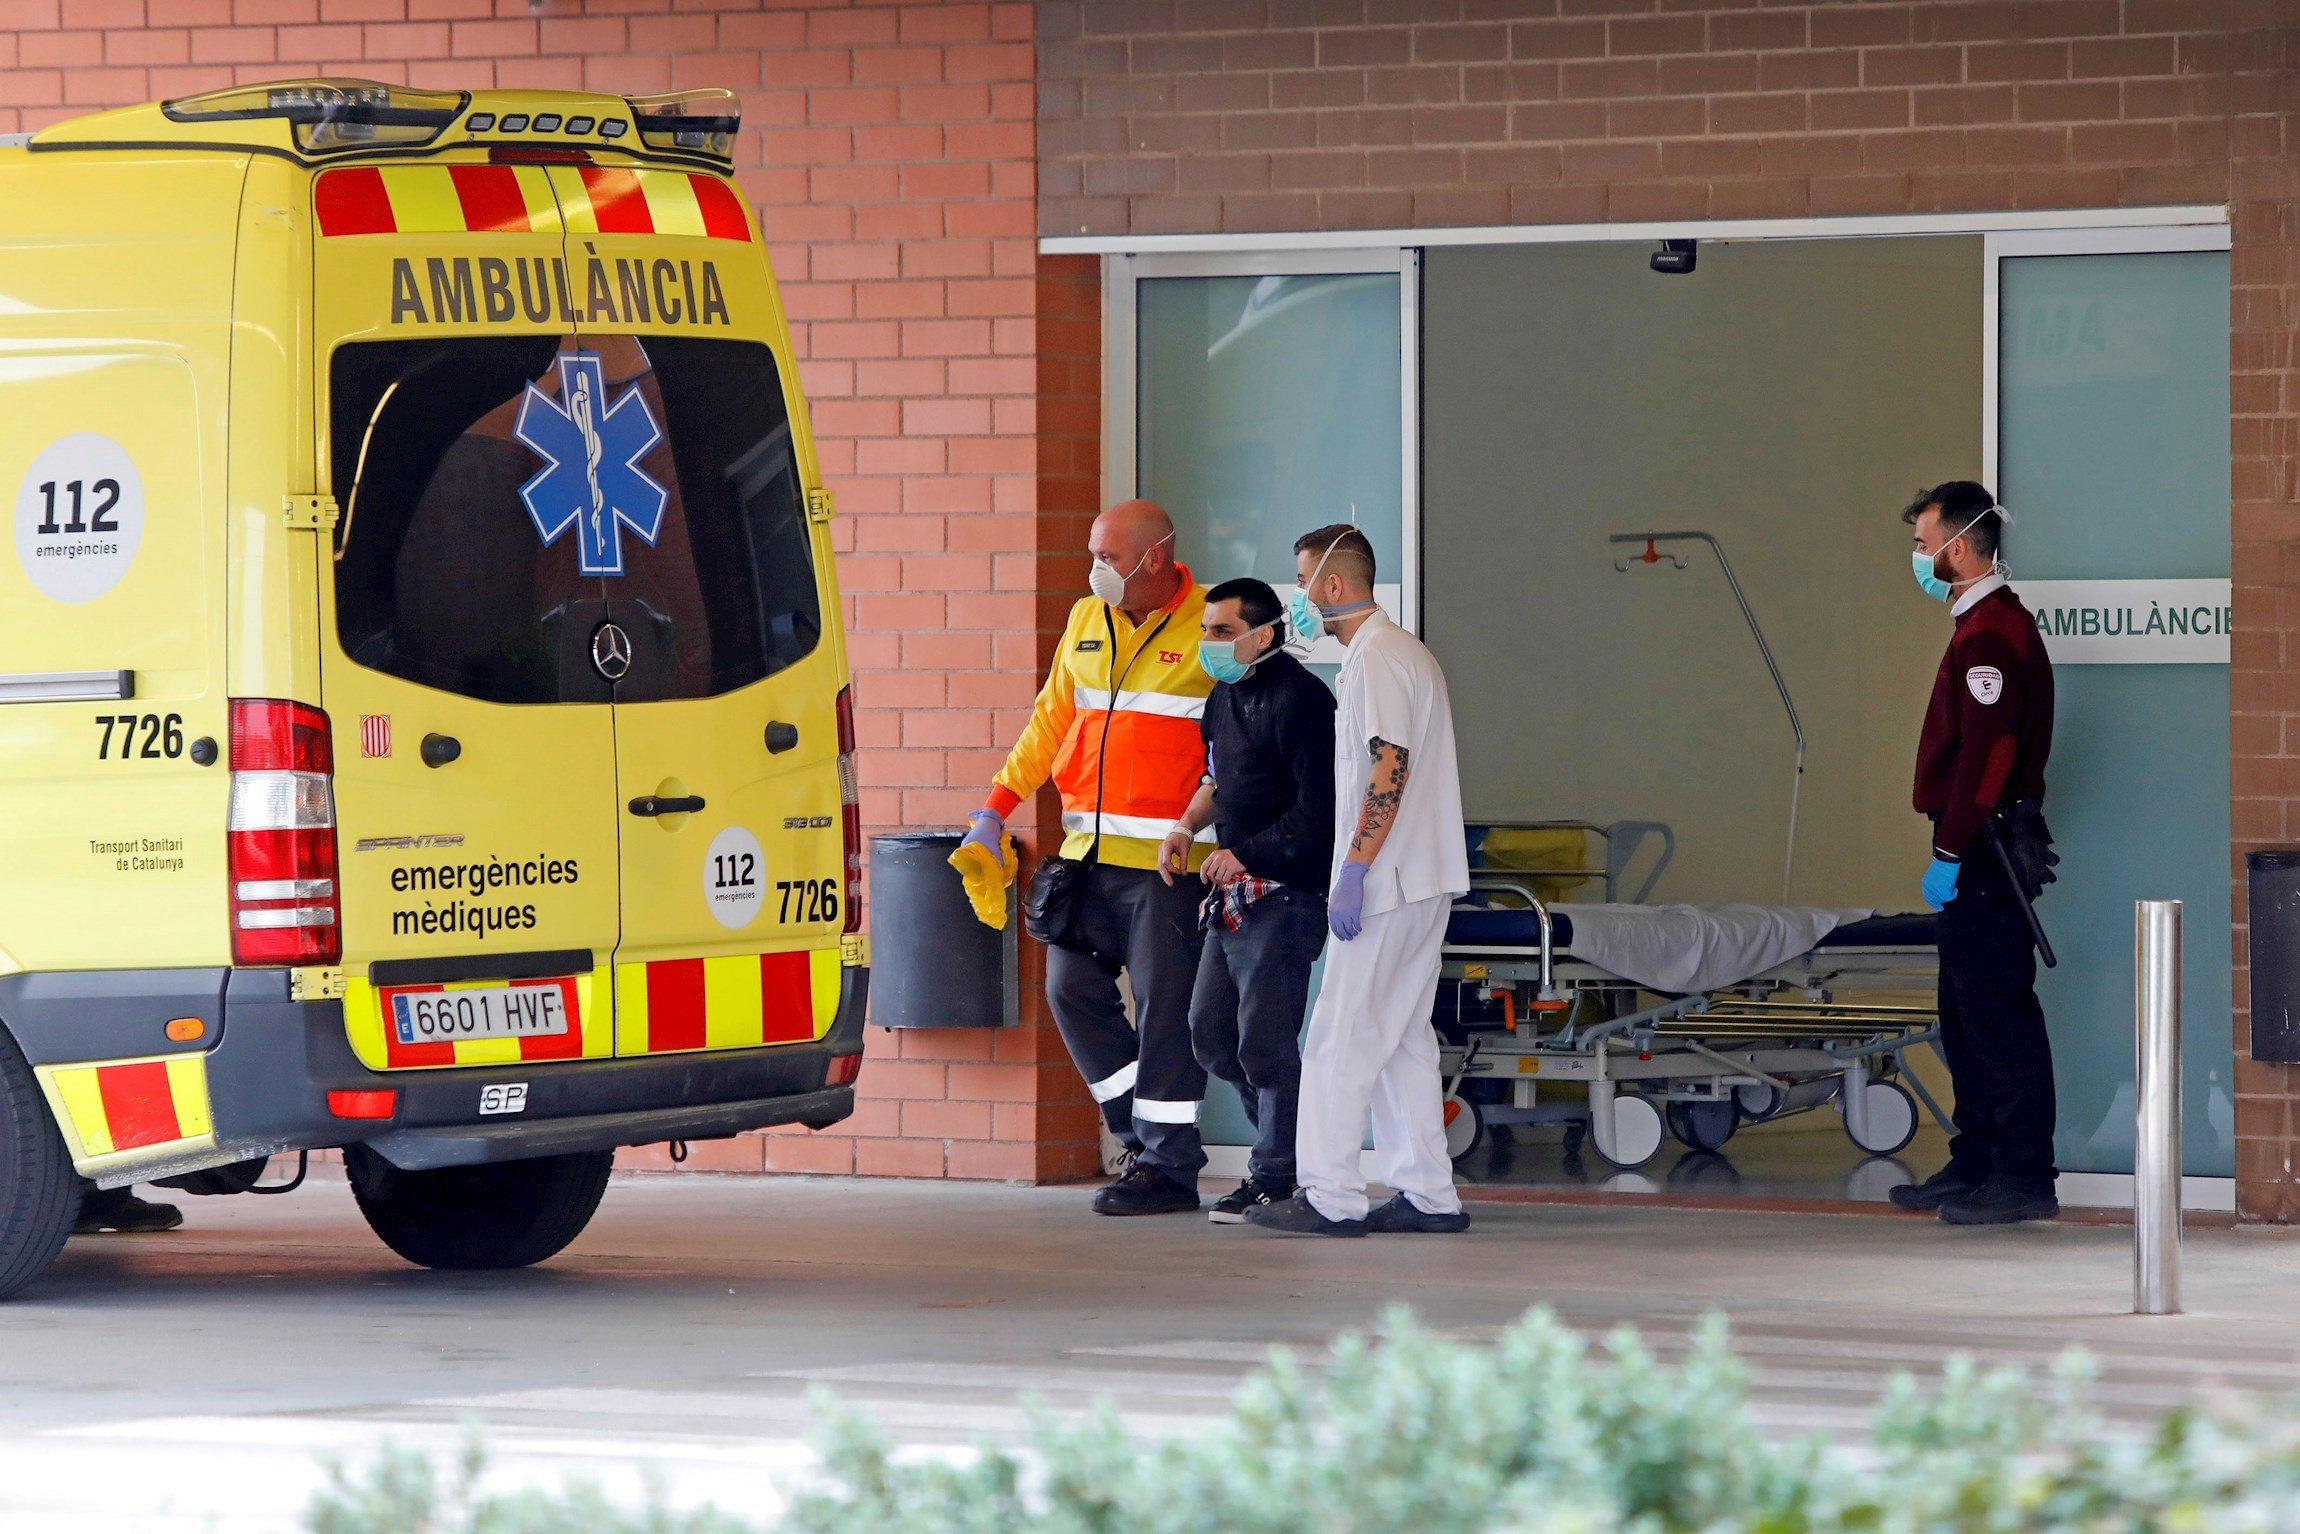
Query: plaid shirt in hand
[{"x": 1228, "y": 904}]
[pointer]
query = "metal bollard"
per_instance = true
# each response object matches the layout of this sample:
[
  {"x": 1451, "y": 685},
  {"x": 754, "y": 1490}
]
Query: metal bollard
[{"x": 2156, "y": 1075}]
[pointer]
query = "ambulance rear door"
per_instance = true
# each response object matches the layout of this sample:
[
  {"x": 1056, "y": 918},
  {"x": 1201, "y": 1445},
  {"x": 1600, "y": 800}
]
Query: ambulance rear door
[
  {"x": 473, "y": 729},
  {"x": 727, "y": 732}
]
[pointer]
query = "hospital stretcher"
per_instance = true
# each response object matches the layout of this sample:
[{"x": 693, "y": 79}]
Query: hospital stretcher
[{"x": 1518, "y": 1010}]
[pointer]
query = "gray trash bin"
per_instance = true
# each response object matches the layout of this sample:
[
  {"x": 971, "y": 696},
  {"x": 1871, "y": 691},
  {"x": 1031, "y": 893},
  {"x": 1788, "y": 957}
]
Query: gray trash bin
[
  {"x": 933, "y": 963},
  {"x": 2273, "y": 879}
]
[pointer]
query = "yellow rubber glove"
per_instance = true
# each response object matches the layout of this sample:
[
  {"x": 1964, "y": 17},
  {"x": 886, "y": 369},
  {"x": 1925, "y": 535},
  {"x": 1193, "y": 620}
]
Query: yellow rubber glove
[{"x": 986, "y": 881}]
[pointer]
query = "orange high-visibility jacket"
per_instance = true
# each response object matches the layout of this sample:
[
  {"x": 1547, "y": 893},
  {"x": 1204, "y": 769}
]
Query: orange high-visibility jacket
[{"x": 1155, "y": 757}]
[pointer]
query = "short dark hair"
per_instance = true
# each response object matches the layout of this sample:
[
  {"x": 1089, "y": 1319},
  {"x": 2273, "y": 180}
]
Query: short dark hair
[
  {"x": 1257, "y": 603},
  {"x": 1344, "y": 541},
  {"x": 1966, "y": 504}
]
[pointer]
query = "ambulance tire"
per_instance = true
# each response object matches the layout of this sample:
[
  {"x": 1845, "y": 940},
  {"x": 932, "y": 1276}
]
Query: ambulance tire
[
  {"x": 499, "y": 1214},
  {"x": 39, "y": 1195}
]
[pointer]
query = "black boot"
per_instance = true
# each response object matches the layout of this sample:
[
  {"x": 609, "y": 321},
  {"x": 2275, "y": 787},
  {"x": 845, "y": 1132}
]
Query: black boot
[
  {"x": 119, "y": 1209},
  {"x": 1145, "y": 1190},
  {"x": 1999, "y": 1203},
  {"x": 1949, "y": 1182}
]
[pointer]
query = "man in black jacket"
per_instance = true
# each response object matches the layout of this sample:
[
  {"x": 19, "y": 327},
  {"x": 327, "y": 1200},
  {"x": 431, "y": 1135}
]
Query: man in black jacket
[{"x": 1269, "y": 796}]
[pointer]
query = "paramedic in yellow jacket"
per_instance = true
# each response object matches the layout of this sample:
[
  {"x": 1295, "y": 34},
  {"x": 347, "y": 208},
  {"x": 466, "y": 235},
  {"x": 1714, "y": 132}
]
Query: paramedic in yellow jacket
[{"x": 1116, "y": 728}]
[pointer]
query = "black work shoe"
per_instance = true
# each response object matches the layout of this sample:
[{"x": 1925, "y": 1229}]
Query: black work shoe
[
  {"x": 1934, "y": 1191},
  {"x": 1401, "y": 1215},
  {"x": 1145, "y": 1190},
  {"x": 1297, "y": 1216},
  {"x": 1231, "y": 1207},
  {"x": 118, "y": 1209},
  {"x": 1999, "y": 1203}
]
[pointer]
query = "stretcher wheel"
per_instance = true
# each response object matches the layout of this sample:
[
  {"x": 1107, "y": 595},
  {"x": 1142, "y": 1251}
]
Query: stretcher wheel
[
  {"x": 1704, "y": 1126},
  {"x": 1636, "y": 1136},
  {"x": 1892, "y": 1119},
  {"x": 1464, "y": 1127}
]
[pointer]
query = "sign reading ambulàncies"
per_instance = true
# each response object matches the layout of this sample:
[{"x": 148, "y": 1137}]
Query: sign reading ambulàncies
[{"x": 2131, "y": 623}]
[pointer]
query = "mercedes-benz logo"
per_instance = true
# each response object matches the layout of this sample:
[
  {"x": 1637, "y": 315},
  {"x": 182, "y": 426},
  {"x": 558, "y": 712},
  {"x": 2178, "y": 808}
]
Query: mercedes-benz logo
[{"x": 611, "y": 651}]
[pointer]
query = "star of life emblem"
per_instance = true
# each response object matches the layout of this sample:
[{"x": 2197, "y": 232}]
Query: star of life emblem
[{"x": 591, "y": 479}]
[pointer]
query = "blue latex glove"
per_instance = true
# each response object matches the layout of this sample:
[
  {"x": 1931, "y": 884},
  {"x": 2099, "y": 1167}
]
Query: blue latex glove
[
  {"x": 1940, "y": 884},
  {"x": 987, "y": 827},
  {"x": 1346, "y": 905}
]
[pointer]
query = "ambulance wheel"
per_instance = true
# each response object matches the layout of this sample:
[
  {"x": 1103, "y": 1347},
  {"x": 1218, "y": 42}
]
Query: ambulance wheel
[
  {"x": 1706, "y": 1125},
  {"x": 1464, "y": 1127},
  {"x": 500, "y": 1214},
  {"x": 1892, "y": 1119},
  {"x": 1636, "y": 1137},
  {"x": 39, "y": 1196}
]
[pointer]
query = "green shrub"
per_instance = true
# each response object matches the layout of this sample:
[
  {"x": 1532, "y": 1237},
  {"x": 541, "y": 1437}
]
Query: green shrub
[{"x": 1415, "y": 1434}]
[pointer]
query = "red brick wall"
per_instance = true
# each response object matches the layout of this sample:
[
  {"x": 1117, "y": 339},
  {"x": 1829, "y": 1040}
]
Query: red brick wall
[
  {"x": 1162, "y": 116},
  {"x": 889, "y": 148}
]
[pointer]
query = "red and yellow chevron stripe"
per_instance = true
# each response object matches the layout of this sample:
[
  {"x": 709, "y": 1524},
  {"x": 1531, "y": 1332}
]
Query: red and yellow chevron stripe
[
  {"x": 377, "y": 1044},
  {"x": 736, "y": 1002},
  {"x": 526, "y": 199},
  {"x": 129, "y": 1105}
]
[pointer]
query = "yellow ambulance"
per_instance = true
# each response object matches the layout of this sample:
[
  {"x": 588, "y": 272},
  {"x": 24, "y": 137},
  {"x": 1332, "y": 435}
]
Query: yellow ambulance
[{"x": 424, "y": 711}]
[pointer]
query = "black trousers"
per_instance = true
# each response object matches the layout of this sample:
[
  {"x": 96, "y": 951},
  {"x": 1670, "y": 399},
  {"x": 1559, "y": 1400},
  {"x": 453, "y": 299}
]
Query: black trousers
[
  {"x": 1144, "y": 1075},
  {"x": 1246, "y": 1017},
  {"x": 1993, "y": 1033}
]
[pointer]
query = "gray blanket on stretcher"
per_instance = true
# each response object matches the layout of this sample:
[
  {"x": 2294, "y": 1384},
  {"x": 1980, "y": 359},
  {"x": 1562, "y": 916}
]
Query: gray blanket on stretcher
[{"x": 1686, "y": 948}]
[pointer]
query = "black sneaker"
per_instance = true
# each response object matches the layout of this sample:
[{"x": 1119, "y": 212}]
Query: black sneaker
[
  {"x": 1145, "y": 1190},
  {"x": 1400, "y": 1215},
  {"x": 1999, "y": 1203},
  {"x": 1231, "y": 1207},
  {"x": 1297, "y": 1216},
  {"x": 1934, "y": 1191},
  {"x": 118, "y": 1209}
]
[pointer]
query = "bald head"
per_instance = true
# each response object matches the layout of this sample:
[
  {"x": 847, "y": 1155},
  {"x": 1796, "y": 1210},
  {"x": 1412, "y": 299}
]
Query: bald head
[{"x": 1136, "y": 539}]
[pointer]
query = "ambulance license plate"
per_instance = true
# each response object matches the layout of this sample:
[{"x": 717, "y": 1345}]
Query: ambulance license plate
[{"x": 526, "y": 1009}]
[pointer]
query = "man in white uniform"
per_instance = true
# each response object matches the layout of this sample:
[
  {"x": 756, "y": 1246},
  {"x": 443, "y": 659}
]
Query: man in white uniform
[{"x": 1396, "y": 872}]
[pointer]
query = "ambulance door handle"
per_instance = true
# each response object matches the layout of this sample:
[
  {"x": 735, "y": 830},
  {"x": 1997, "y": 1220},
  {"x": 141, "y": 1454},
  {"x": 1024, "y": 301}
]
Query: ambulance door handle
[
  {"x": 651, "y": 804},
  {"x": 781, "y": 737},
  {"x": 439, "y": 750}
]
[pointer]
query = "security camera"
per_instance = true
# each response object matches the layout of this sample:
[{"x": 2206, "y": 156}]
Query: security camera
[{"x": 1674, "y": 258}]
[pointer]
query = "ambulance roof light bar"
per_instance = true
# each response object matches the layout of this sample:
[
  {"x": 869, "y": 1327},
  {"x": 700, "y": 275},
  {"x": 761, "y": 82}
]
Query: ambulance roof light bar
[
  {"x": 690, "y": 122},
  {"x": 332, "y": 115}
]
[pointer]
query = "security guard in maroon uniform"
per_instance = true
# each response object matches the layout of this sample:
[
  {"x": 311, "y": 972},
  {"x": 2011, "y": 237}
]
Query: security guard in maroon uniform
[{"x": 1980, "y": 779}]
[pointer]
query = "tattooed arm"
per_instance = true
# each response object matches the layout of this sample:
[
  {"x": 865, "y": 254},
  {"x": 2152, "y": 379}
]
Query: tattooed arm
[{"x": 1385, "y": 788}]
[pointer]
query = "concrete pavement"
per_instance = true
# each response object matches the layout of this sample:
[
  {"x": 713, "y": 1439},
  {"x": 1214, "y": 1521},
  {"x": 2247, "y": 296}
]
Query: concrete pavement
[{"x": 189, "y": 1381}]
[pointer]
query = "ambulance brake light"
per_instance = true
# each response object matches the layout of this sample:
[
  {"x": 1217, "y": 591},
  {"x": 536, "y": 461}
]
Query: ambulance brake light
[
  {"x": 691, "y": 122},
  {"x": 850, "y": 808},
  {"x": 331, "y": 115},
  {"x": 280, "y": 835},
  {"x": 363, "y": 1104}
]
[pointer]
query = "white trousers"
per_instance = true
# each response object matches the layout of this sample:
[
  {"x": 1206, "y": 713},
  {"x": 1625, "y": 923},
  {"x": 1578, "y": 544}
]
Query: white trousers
[{"x": 1371, "y": 1047}]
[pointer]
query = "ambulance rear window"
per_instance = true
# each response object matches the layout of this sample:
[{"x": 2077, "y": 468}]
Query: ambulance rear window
[{"x": 504, "y": 497}]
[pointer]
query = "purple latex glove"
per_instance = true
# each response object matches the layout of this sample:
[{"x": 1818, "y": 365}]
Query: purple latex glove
[
  {"x": 986, "y": 828},
  {"x": 1346, "y": 904}
]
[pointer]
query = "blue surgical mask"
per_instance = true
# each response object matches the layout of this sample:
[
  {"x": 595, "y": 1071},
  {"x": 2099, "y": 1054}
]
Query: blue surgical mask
[
  {"x": 1927, "y": 581},
  {"x": 1219, "y": 657}
]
